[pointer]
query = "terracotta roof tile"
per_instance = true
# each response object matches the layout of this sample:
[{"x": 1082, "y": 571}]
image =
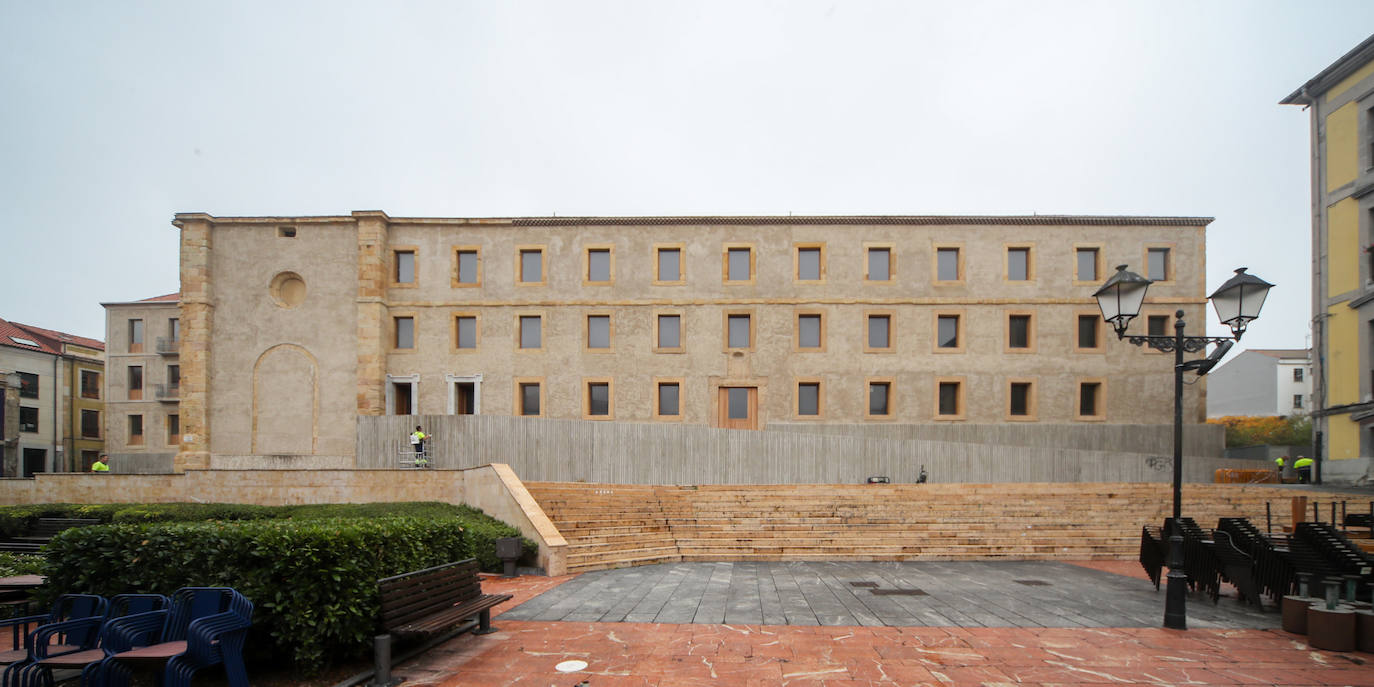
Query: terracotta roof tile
[{"x": 173, "y": 297}]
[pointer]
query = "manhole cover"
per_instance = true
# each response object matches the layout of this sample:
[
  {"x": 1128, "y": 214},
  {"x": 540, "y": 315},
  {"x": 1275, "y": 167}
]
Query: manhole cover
[
  {"x": 863, "y": 584},
  {"x": 1033, "y": 583},
  {"x": 897, "y": 592}
]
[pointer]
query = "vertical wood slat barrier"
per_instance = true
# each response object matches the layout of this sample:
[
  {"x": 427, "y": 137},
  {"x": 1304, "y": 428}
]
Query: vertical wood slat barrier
[{"x": 644, "y": 453}]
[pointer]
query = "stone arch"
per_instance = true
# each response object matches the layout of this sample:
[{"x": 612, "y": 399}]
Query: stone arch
[{"x": 286, "y": 401}]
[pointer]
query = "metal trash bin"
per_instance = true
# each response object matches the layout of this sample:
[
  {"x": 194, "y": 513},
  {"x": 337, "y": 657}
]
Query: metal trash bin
[{"x": 509, "y": 550}]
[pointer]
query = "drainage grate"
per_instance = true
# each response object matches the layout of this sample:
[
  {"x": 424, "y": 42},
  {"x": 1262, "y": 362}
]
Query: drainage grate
[
  {"x": 863, "y": 584},
  {"x": 898, "y": 592},
  {"x": 1033, "y": 583}
]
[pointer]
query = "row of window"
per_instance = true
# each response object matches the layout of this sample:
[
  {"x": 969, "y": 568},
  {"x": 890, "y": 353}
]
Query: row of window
[
  {"x": 170, "y": 390},
  {"x": 809, "y": 333},
  {"x": 165, "y": 345},
  {"x": 90, "y": 384},
  {"x": 136, "y": 430},
  {"x": 738, "y": 264},
  {"x": 809, "y": 399},
  {"x": 90, "y": 421}
]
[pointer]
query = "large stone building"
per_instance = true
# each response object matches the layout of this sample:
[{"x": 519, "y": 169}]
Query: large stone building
[
  {"x": 51, "y": 401},
  {"x": 143, "y": 381},
  {"x": 294, "y": 326},
  {"x": 1341, "y": 102}
]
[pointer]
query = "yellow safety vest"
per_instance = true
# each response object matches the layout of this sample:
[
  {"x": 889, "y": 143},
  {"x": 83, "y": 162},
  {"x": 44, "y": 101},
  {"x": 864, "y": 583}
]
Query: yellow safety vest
[
  {"x": 98, "y": 466},
  {"x": 1302, "y": 462}
]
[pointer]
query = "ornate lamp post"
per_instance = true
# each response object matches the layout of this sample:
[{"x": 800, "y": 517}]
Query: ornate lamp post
[{"x": 1237, "y": 302}]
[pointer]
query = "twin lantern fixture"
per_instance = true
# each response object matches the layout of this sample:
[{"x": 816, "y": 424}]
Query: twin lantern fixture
[{"x": 1237, "y": 301}]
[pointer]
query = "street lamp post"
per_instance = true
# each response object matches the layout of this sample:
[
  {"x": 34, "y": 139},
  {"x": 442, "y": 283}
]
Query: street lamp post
[{"x": 1237, "y": 302}]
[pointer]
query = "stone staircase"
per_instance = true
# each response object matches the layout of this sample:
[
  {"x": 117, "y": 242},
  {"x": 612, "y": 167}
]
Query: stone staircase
[{"x": 609, "y": 526}]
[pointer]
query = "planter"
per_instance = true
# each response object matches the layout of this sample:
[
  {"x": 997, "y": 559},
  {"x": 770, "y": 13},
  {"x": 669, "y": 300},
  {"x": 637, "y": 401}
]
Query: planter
[
  {"x": 1364, "y": 622},
  {"x": 1332, "y": 630},
  {"x": 1295, "y": 613}
]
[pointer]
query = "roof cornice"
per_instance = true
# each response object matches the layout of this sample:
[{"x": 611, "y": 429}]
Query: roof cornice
[{"x": 1332, "y": 75}]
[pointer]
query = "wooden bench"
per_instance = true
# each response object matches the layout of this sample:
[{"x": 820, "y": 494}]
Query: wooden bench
[
  {"x": 434, "y": 604},
  {"x": 42, "y": 532}
]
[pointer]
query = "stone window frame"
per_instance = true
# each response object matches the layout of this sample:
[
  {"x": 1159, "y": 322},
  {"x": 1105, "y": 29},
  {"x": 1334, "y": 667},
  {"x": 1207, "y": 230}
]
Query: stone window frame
[
  {"x": 543, "y": 334},
  {"x": 797, "y": 249},
  {"x": 681, "y": 249},
  {"x": 935, "y": 249},
  {"x": 587, "y": 263},
  {"x": 961, "y": 330},
  {"x": 891, "y": 261},
  {"x": 393, "y": 330},
  {"x": 82, "y": 424},
  {"x": 1096, "y": 315},
  {"x": 1031, "y": 274},
  {"x": 82, "y": 384},
  {"x": 753, "y": 329},
  {"x": 173, "y": 438},
  {"x": 891, "y": 383},
  {"x": 587, "y": 383},
  {"x": 518, "y": 383},
  {"x": 29, "y": 427},
  {"x": 543, "y": 251},
  {"x": 1146, "y": 313},
  {"x": 136, "y": 346},
  {"x": 587, "y": 331},
  {"x": 659, "y": 381},
  {"x": 395, "y": 267},
  {"x": 456, "y": 251},
  {"x": 1170, "y": 261},
  {"x": 1032, "y": 403},
  {"x": 681, "y": 331},
  {"x": 797, "y": 314},
  {"x": 1030, "y": 331},
  {"x": 1101, "y": 400},
  {"x": 820, "y": 415},
  {"x": 960, "y": 400},
  {"x": 1099, "y": 265},
  {"x": 725, "y": 249},
  {"x": 130, "y": 392},
  {"x": 141, "y": 437},
  {"x": 891, "y": 316},
  {"x": 476, "y": 334}
]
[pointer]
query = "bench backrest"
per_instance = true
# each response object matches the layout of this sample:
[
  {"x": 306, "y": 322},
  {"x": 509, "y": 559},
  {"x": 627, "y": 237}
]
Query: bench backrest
[
  {"x": 47, "y": 527},
  {"x": 414, "y": 595}
]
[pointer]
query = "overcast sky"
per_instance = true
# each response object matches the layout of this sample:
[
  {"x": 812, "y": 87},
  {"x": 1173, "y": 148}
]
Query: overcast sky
[{"x": 116, "y": 115}]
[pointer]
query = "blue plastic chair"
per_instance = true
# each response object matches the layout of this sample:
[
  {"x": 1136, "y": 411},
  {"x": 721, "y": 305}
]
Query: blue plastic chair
[
  {"x": 205, "y": 626},
  {"x": 38, "y": 673},
  {"x": 66, "y": 607}
]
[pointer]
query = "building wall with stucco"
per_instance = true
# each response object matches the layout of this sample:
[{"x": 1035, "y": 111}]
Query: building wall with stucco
[{"x": 159, "y": 398}]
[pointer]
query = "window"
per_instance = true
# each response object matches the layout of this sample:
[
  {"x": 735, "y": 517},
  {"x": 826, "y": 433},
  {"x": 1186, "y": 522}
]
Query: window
[
  {"x": 740, "y": 333},
  {"x": 599, "y": 265},
  {"x": 135, "y": 430},
  {"x": 669, "y": 334},
  {"x": 173, "y": 378},
  {"x": 1090, "y": 402},
  {"x": 1297, "y": 374},
  {"x": 1297, "y": 401},
  {"x": 599, "y": 332},
  {"x": 1018, "y": 264},
  {"x": 668, "y": 264},
  {"x": 1019, "y": 332},
  {"x": 28, "y": 385},
  {"x": 810, "y": 262},
  {"x": 879, "y": 266},
  {"x": 809, "y": 399},
  {"x": 598, "y": 400},
  {"x": 405, "y": 332},
  {"x": 1157, "y": 325},
  {"x": 135, "y": 382},
  {"x": 531, "y": 336},
  {"x": 467, "y": 266},
  {"x": 1157, "y": 264},
  {"x": 28, "y": 419},
  {"x": 531, "y": 267},
  {"x": 1019, "y": 401},
  {"x": 173, "y": 430},
  {"x": 810, "y": 328},
  {"x": 529, "y": 398},
  {"x": 286, "y": 232},
  {"x": 403, "y": 271},
  {"x": 465, "y": 332},
  {"x": 947, "y": 332},
  {"x": 878, "y": 332},
  {"x": 135, "y": 336},
  {"x": 174, "y": 329},
  {"x": 1086, "y": 268},
  {"x": 947, "y": 264},
  {"x": 739, "y": 263},
  {"x": 949, "y": 402},
  {"x": 1087, "y": 332},
  {"x": 90, "y": 384},
  {"x": 402, "y": 399},
  {"x": 879, "y": 398},
  {"x": 667, "y": 400}
]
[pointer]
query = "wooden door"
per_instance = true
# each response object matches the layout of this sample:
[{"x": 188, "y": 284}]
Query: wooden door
[{"x": 739, "y": 407}]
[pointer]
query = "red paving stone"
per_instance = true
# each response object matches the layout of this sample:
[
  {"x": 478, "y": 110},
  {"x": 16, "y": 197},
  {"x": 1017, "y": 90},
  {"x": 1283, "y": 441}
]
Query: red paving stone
[{"x": 647, "y": 655}]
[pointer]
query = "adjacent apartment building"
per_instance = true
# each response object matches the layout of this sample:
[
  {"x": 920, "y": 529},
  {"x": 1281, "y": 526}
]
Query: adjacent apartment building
[
  {"x": 143, "y": 382},
  {"x": 1341, "y": 101},
  {"x": 1262, "y": 382},
  {"x": 51, "y": 401},
  {"x": 293, "y": 326}
]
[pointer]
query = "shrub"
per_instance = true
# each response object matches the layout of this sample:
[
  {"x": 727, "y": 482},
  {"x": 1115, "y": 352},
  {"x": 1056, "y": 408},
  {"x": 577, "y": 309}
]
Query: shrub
[
  {"x": 20, "y": 564},
  {"x": 1242, "y": 431}
]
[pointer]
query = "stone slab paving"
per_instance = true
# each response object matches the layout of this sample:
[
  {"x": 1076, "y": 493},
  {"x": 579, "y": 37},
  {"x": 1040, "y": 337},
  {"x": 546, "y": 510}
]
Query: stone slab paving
[{"x": 874, "y": 594}]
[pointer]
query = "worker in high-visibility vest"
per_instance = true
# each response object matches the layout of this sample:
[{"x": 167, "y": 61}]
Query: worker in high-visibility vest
[
  {"x": 100, "y": 465},
  {"x": 1304, "y": 466},
  {"x": 1281, "y": 462},
  {"x": 417, "y": 444}
]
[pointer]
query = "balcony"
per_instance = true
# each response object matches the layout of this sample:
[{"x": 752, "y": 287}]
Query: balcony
[
  {"x": 167, "y": 392},
  {"x": 168, "y": 346}
]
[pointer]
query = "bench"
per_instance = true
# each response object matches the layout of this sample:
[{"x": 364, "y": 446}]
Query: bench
[
  {"x": 433, "y": 604},
  {"x": 41, "y": 532}
]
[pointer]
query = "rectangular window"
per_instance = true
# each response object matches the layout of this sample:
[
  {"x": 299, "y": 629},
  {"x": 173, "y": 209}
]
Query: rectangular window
[
  {"x": 135, "y": 382},
  {"x": 532, "y": 266},
  {"x": 739, "y": 334},
  {"x": 1018, "y": 331},
  {"x": 1087, "y": 264},
  {"x": 1297, "y": 374},
  {"x": 28, "y": 385},
  {"x": 879, "y": 264},
  {"x": 1018, "y": 264},
  {"x": 90, "y": 384},
  {"x": 1297, "y": 401},
  {"x": 1018, "y": 405},
  {"x": 879, "y": 331},
  {"x": 466, "y": 326},
  {"x": 405, "y": 332},
  {"x": 469, "y": 267},
  {"x": 599, "y": 265},
  {"x": 808, "y": 331},
  {"x": 1089, "y": 403},
  {"x": 879, "y": 397},
  {"x": 947, "y": 264},
  {"x": 739, "y": 264},
  {"x": 598, "y": 399},
  {"x": 947, "y": 331},
  {"x": 810, "y": 263},
  {"x": 949, "y": 399},
  {"x": 531, "y": 335},
  {"x": 135, "y": 336},
  {"x": 530, "y": 398},
  {"x": 1087, "y": 331},
  {"x": 173, "y": 430},
  {"x": 668, "y": 399},
  {"x": 1157, "y": 325},
  {"x": 1157, "y": 260},
  {"x": 668, "y": 265},
  {"x": 136, "y": 430},
  {"x": 405, "y": 267},
  {"x": 173, "y": 378},
  {"x": 670, "y": 331},
  {"x": 174, "y": 329},
  {"x": 28, "y": 419},
  {"x": 809, "y": 399},
  {"x": 599, "y": 331},
  {"x": 737, "y": 403}
]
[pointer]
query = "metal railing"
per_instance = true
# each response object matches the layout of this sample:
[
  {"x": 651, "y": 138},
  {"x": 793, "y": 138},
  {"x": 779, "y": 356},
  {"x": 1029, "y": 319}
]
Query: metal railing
[
  {"x": 168, "y": 346},
  {"x": 167, "y": 392}
]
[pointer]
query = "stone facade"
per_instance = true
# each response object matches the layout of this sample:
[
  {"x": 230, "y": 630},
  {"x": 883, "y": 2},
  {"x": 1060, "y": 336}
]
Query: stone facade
[
  {"x": 143, "y": 383},
  {"x": 294, "y": 326}
]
